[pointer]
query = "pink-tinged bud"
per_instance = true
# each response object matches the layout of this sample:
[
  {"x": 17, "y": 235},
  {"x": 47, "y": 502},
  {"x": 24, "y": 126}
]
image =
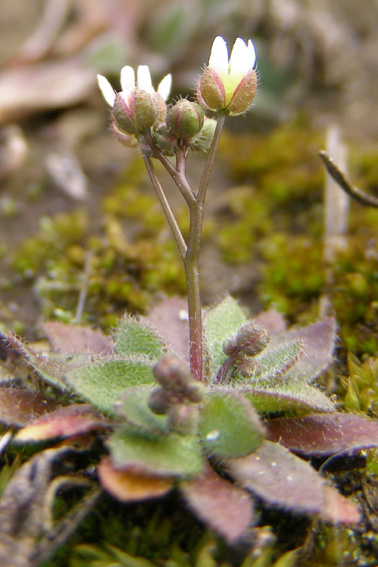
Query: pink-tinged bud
[
  {"x": 164, "y": 139},
  {"x": 135, "y": 113},
  {"x": 172, "y": 374},
  {"x": 185, "y": 119},
  {"x": 183, "y": 419},
  {"x": 138, "y": 106},
  {"x": 128, "y": 140},
  {"x": 228, "y": 84}
]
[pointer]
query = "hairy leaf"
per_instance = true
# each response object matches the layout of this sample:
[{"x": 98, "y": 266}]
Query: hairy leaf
[
  {"x": 274, "y": 362},
  {"x": 165, "y": 455},
  {"x": 224, "y": 507},
  {"x": 229, "y": 426},
  {"x": 19, "y": 406},
  {"x": 170, "y": 317},
  {"x": 68, "y": 339},
  {"x": 319, "y": 340},
  {"x": 52, "y": 367},
  {"x": 128, "y": 486},
  {"x": 64, "y": 422},
  {"x": 220, "y": 323},
  {"x": 133, "y": 406},
  {"x": 284, "y": 480},
  {"x": 324, "y": 434},
  {"x": 102, "y": 383},
  {"x": 291, "y": 397},
  {"x": 137, "y": 338}
]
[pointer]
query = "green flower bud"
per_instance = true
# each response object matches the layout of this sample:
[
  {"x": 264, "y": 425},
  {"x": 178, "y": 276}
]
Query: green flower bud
[
  {"x": 135, "y": 113},
  {"x": 164, "y": 139},
  {"x": 202, "y": 141},
  {"x": 185, "y": 119}
]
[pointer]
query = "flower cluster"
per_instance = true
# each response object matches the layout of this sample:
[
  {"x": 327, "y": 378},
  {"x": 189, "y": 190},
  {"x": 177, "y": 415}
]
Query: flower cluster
[{"x": 227, "y": 85}]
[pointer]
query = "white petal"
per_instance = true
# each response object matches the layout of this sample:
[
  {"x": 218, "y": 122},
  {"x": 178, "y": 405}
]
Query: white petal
[
  {"x": 127, "y": 79},
  {"x": 251, "y": 53},
  {"x": 106, "y": 89},
  {"x": 144, "y": 79},
  {"x": 164, "y": 87},
  {"x": 218, "y": 59},
  {"x": 239, "y": 60}
]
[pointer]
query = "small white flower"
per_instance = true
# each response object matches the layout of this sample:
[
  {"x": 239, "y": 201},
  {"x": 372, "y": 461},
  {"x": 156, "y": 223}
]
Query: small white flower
[
  {"x": 232, "y": 70},
  {"x": 229, "y": 83},
  {"x": 128, "y": 84}
]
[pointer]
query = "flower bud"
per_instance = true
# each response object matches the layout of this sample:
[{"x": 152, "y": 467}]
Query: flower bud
[
  {"x": 135, "y": 113},
  {"x": 185, "y": 119},
  {"x": 164, "y": 139},
  {"x": 251, "y": 339},
  {"x": 172, "y": 374},
  {"x": 158, "y": 401},
  {"x": 202, "y": 141},
  {"x": 183, "y": 419}
]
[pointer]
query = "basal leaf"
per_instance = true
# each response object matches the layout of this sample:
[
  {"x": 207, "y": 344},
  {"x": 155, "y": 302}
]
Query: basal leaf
[
  {"x": 291, "y": 397},
  {"x": 165, "y": 455},
  {"x": 68, "y": 421},
  {"x": 223, "y": 506},
  {"x": 220, "y": 323},
  {"x": 51, "y": 366},
  {"x": 129, "y": 486},
  {"x": 65, "y": 338},
  {"x": 102, "y": 383},
  {"x": 229, "y": 427},
  {"x": 324, "y": 434},
  {"x": 19, "y": 406},
  {"x": 274, "y": 362},
  {"x": 133, "y": 406},
  {"x": 137, "y": 338},
  {"x": 319, "y": 340}
]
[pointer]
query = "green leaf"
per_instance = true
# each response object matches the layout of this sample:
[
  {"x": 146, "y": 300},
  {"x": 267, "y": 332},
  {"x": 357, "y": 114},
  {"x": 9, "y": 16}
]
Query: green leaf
[
  {"x": 102, "y": 383},
  {"x": 229, "y": 426},
  {"x": 274, "y": 363},
  {"x": 166, "y": 455},
  {"x": 134, "y": 408},
  {"x": 220, "y": 323},
  {"x": 136, "y": 338},
  {"x": 291, "y": 397}
]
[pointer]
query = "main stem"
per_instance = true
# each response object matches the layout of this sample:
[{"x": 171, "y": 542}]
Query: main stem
[{"x": 190, "y": 251}]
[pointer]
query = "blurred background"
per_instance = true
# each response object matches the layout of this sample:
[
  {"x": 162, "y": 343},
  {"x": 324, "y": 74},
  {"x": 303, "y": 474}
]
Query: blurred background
[{"x": 62, "y": 174}]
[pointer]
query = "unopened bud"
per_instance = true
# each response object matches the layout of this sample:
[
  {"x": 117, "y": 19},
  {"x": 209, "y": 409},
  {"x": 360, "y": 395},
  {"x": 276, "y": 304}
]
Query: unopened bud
[
  {"x": 172, "y": 374},
  {"x": 251, "y": 339},
  {"x": 202, "y": 141},
  {"x": 136, "y": 112},
  {"x": 183, "y": 419},
  {"x": 158, "y": 401},
  {"x": 164, "y": 139},
  {"x": 185, "y": 119}
]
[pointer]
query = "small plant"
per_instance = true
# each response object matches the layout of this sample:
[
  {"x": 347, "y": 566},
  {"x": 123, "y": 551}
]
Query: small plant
[{"x": 208, "y": 401}]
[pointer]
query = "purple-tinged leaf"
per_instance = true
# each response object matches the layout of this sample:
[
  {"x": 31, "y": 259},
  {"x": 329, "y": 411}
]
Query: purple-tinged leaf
[
  {"x": 171, "y": 319},
  {"x": 319, "y": 340},
  {"x": 338, "y": 509},
  {"x": 20, "y": 406},
  {"x": 279, "y": 477},
  {"x": 324, "y": 434},
  {"x": 128, "y": 485},
  {"x": 69, "y": 421},
  {"x": 51, "y": 366},
  {"x": 68, "y": 339},
  {"x": 271, "y": 320},
  {"x": 223, "y": 506}
]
